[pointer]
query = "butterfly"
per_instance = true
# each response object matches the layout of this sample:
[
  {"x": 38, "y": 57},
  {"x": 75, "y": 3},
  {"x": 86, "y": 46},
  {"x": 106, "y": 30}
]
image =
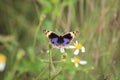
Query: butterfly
[{"x": 62, "y": 40}]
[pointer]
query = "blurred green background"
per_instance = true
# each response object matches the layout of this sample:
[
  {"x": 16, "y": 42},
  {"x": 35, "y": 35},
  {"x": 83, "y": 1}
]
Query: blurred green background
[{"x": 26, "y": 47}]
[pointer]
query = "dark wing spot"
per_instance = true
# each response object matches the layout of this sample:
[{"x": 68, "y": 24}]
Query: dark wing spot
[
  {"x": 68, "y": 36},
  {"x": 67, "y": 42},
  {"x": 53, "y": 35},
  {"x": 53, "y": 42}
]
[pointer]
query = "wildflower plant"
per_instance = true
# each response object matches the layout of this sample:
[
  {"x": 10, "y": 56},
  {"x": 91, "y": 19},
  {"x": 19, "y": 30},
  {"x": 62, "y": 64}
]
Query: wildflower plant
[
  {"x": 77, "y": 46},
  {"x": 78, "y": 61},
  {"x": 62, "y": 42}
]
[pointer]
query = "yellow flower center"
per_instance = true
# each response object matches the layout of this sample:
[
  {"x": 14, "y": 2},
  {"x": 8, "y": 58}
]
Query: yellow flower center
[
  {"x": 2, "y": 58},
  {"x": 76, "y": 60},
  {"x": 78, "y": 46}
]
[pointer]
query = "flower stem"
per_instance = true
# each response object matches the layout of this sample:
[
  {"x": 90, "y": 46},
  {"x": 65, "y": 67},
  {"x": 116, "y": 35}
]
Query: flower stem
[
  {"x": 50, "y": 62},
  {"x": 41, "y": 19}
]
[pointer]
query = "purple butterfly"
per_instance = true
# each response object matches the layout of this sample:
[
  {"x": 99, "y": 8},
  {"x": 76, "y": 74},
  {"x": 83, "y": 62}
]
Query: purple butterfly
[{"x": 61, "y": 40}]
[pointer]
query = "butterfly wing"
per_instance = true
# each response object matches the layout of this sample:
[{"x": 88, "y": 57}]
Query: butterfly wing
[
  {"x": 54, "y": 38},
  {"x": 67, "y": 38}
]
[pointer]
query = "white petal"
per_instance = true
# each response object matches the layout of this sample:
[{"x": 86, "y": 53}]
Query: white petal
[
  {"x": 72, "y": 47},
  {"x": 76, "y": 42},
  {"x": 83, "y": 49},
  {"x": 76, "y": 64},
  {"x": 83, "y": 62},
  {"x": 62, "y": 50},
  {"x": 76, "y": 52},
  {"x": 2, "y": 66},
  {"x": 72, "y": 59}
]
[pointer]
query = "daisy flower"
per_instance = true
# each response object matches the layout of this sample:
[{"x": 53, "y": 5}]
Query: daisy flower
[
  {"x": 78, "y": 47},
  {"x": 78, "y": 61},
  {"x": 2, "y": 62}
]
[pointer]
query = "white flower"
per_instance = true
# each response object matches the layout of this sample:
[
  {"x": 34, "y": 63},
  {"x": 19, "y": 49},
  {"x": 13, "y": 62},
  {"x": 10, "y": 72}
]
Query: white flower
[
  {"x": 78, "y": 47},
  {"x": 78, "y": 61},
  {"x": 2, "y": 62},
  {"x": 62, "y": 50}
]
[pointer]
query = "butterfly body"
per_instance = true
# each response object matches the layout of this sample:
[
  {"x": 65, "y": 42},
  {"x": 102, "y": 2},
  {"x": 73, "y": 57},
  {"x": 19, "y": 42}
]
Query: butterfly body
[{"x": 61, "y": 40}]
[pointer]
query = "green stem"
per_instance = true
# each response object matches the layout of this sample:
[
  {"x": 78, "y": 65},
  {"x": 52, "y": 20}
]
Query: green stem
[
  {"x": 11, "y": 74},
  {"x": 47, "y": 61},
  {"x": 50, "y": 62},
  {"x": 36, "y": 32},
  {"x": 42, "y": 17}
]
